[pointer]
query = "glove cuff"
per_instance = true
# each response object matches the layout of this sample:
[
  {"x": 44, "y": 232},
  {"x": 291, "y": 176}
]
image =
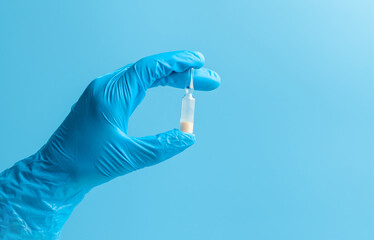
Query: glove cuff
[{"x": 35, "y": 201}]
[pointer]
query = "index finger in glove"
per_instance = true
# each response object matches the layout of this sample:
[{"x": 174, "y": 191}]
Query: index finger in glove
[
  {"x": 145, "y": 72},
  {"x": 203, "y": 80}
]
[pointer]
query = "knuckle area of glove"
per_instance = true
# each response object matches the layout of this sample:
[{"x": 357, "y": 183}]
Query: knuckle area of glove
[
  {"x": 96, "y": 95},
  {"x": 150, "y": 68}
]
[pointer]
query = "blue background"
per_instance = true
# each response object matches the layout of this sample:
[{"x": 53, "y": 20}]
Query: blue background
[{"x": 284, "y": 147}]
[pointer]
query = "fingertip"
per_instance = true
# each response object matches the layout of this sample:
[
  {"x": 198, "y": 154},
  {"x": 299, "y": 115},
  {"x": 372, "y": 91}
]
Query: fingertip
[
  {"x": 186, "y": 139},
  {"x": 217, "y": 80},
  {"x": 175, "y": 141},
  {"x": 206, "y": 80},
  {"x": 201, "y": 58}
]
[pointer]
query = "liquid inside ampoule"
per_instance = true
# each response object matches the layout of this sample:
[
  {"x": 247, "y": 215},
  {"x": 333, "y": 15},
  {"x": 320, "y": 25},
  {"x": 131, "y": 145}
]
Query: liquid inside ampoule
[
  {"x": 188, "y": 108},
  {"x": 186, "y": 127}
]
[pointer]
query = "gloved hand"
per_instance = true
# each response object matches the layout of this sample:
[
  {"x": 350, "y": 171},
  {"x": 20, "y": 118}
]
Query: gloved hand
[{"x": 91, "y": 146}]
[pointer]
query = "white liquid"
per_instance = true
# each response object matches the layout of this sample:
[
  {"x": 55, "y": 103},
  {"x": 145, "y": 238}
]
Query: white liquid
[
  {"x": 188, "y": 108},
  {"x": 186, "y": 127}
]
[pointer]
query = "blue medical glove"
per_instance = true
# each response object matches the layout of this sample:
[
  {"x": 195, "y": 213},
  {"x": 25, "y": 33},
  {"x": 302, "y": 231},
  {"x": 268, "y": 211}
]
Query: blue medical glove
[{"x": 91, "y": 146}]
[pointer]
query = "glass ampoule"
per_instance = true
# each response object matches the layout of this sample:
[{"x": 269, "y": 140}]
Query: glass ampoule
[{"x": 188, "y": 107}]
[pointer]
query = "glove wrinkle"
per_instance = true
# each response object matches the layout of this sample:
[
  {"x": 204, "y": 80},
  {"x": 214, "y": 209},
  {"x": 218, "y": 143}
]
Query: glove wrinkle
[{"x": 91, "y": 146}]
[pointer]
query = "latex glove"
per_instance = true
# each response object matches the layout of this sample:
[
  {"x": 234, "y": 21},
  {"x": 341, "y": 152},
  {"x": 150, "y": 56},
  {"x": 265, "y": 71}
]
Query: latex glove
[{"x": 91, "y": 146}]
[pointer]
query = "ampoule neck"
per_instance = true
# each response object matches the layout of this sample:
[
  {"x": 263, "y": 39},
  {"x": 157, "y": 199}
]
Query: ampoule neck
[{"x": 188, "y": 91}]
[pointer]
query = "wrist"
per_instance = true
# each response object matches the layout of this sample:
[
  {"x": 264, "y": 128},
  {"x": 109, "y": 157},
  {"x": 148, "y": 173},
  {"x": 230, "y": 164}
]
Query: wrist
[{"x": 37, "y": 195}]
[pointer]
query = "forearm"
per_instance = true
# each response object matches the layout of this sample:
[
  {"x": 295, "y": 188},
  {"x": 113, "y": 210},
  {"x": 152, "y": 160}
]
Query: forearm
[{"x": 31, "y": 198}]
